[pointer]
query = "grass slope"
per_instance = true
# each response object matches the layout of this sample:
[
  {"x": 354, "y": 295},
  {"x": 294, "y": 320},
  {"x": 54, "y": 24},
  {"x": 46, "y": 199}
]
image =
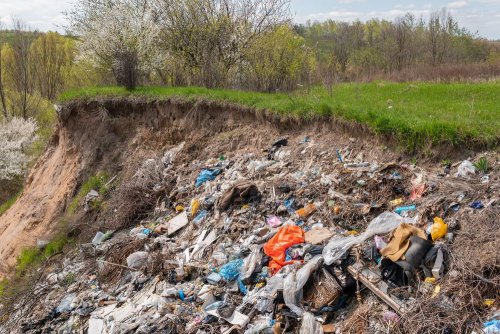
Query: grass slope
[{"x": 415, "y": 114}]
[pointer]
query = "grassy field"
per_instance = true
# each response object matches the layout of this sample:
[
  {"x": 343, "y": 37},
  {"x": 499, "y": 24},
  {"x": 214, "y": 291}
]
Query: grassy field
[{"x": 414, "y": 113}]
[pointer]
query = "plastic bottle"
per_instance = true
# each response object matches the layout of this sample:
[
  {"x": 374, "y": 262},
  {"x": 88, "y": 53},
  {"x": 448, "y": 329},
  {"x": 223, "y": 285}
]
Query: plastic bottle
[{"x": 307, "y": 210}]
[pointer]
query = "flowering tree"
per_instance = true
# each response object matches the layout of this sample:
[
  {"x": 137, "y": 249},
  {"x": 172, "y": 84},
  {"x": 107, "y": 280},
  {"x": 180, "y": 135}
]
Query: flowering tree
[
  {"x": 121, "y": 35},
  {"x": 15, "y": 137}
]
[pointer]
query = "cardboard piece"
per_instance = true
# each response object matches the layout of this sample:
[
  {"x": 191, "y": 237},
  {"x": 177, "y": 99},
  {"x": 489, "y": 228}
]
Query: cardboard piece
[
  {"x": 316, "y": 236},
  {"x": 178, "y": 222}
]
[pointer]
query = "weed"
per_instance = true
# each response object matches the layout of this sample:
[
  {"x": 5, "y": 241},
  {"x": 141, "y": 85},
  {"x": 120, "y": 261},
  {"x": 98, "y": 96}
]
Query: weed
[
  {"x": 69, "y": 279},
  {"x": 32, "y": 256},
  {"x": 8, "y": 203},
  {"x": 482, "y": 165},
  {"x": 97, "y": 183},
  {"x": 446, "y": 162}
]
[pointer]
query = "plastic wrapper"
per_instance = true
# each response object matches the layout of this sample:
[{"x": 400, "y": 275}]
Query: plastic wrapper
[
  {"x": 295, "y": 282},
  {"x": 259, "y": 326},
  {"x": 207, "y": 175},
  {"x": 384, "y": 223},
  {"x": 310, "y": 325}
]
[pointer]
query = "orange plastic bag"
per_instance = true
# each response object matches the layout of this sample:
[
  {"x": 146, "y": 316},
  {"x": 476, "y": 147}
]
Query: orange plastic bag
[{"x": 275, "y": 248}]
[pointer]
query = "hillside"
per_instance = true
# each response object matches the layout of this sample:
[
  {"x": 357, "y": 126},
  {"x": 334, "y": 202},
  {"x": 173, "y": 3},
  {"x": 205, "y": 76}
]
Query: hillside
[{"x": 125, "y": 166}]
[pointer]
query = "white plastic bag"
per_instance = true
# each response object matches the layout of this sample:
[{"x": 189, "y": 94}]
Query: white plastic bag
[
  {"x": 310, "y": 325},
  {"x": 384, "y": 223},
  {"x": 251, "y": 262},
  {"x": 295, "y": 281},
  {"x": 466, "y": 168}
]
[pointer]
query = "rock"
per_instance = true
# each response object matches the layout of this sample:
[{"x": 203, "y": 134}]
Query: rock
[
  {"x": 41, "y": 243},
  {"x": 66, "y": 304}
]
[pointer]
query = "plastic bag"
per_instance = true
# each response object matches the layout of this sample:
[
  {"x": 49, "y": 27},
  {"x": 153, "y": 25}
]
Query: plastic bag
[
  {"x": 296, "y": 281},
  {"x": 195, "y": 206},
  {"x": 137, "y": 260},
  {"x": 169, "y": 156},
  {"x": 466, "y": 168},
  {"x": 384, "y": 223},
  {"x": 273, "y": 221},
  {"x": 310, "y": 325},
  {"x": 250, "y": 263},
  {"x": 207, "y": 175},
  {"x": 275, "y": 248},
  {"x": 231, "y": 270},
  {"x": 438, "y": 229}
]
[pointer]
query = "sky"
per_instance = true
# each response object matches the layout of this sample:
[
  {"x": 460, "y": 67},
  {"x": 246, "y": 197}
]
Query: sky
[{"x": 482, "y": 16}]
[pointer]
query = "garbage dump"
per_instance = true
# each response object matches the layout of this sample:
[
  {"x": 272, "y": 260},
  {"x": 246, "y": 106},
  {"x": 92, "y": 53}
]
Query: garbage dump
[{"x": 290, "y": 240}]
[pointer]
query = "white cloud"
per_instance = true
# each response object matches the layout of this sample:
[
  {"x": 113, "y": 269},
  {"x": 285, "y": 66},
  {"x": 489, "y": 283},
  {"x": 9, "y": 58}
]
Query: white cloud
[
  {"x": 456, "y": 4},
  {"x": 38, "y": 14}
]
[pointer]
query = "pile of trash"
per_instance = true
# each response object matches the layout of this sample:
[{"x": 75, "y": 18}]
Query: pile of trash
[{"x": 297, "y": 239}]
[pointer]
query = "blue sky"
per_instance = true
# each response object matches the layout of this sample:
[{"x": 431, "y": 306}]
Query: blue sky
[{"x": 476, "y": 15}]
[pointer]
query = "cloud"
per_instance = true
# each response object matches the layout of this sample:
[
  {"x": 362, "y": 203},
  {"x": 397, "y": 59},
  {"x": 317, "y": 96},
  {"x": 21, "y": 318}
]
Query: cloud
[{"x": 456, "y": 4}]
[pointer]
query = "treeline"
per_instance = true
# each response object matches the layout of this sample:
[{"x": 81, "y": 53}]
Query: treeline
[
  {"x": 35, "y": 67},
  {"x": 245, "y": 44},
  {"x": 251, "y": 44},
  {"x": 407, "y": 48}
]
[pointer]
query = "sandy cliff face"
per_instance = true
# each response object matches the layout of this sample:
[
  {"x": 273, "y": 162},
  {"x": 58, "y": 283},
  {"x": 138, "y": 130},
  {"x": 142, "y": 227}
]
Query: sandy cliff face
[{"x": 49, "y": 186}]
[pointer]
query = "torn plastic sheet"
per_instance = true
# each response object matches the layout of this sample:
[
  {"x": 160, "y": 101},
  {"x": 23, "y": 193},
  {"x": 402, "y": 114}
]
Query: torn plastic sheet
[
  {"x": 384, "y": 223},
  {"x": 310, "y": 325},
  {"x": 251, "y": 262},
  {"x": 295, "y": 282}
]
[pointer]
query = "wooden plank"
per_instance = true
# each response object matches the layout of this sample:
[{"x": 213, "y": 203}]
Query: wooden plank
[{"x": 379, "y": 293}]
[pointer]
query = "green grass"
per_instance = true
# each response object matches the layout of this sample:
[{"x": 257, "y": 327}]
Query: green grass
[
  {"x": 8, "y": 203},
  {"x": 97, "y": 183},
  {"x": 33, "y": 256},
  {"x": 421, "y": 113}
]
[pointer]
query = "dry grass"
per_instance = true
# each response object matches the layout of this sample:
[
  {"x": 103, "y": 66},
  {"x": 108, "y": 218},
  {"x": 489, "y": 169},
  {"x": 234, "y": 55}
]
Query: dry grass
[{"x": 474, "y": 276}]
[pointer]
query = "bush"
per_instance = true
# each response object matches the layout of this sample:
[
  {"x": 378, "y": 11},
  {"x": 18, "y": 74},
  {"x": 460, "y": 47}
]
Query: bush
[{"x": 16, "y": 136}]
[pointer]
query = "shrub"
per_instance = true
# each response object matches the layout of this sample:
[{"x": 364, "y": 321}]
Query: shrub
[{"x": 16, "y": 136}]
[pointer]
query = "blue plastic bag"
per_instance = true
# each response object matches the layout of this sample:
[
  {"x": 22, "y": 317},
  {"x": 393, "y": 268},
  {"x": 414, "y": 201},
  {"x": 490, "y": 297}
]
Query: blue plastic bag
[
  {"x": 207, "y": 175},
  {"x": 231, "y": 270},
  {"x": 477, "y": 205}
]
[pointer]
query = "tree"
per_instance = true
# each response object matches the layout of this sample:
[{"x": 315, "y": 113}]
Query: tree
[
  {"x": 19, "y": 67},
  {"x": 277, "y": 61},
  {"x": 211, "y": 36},
  {"x": 15, "y": 137},
  {"x": 53, "y": 55},
  {"x": 3, "y": 99},
  {"x": 120, "y": 35}
]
